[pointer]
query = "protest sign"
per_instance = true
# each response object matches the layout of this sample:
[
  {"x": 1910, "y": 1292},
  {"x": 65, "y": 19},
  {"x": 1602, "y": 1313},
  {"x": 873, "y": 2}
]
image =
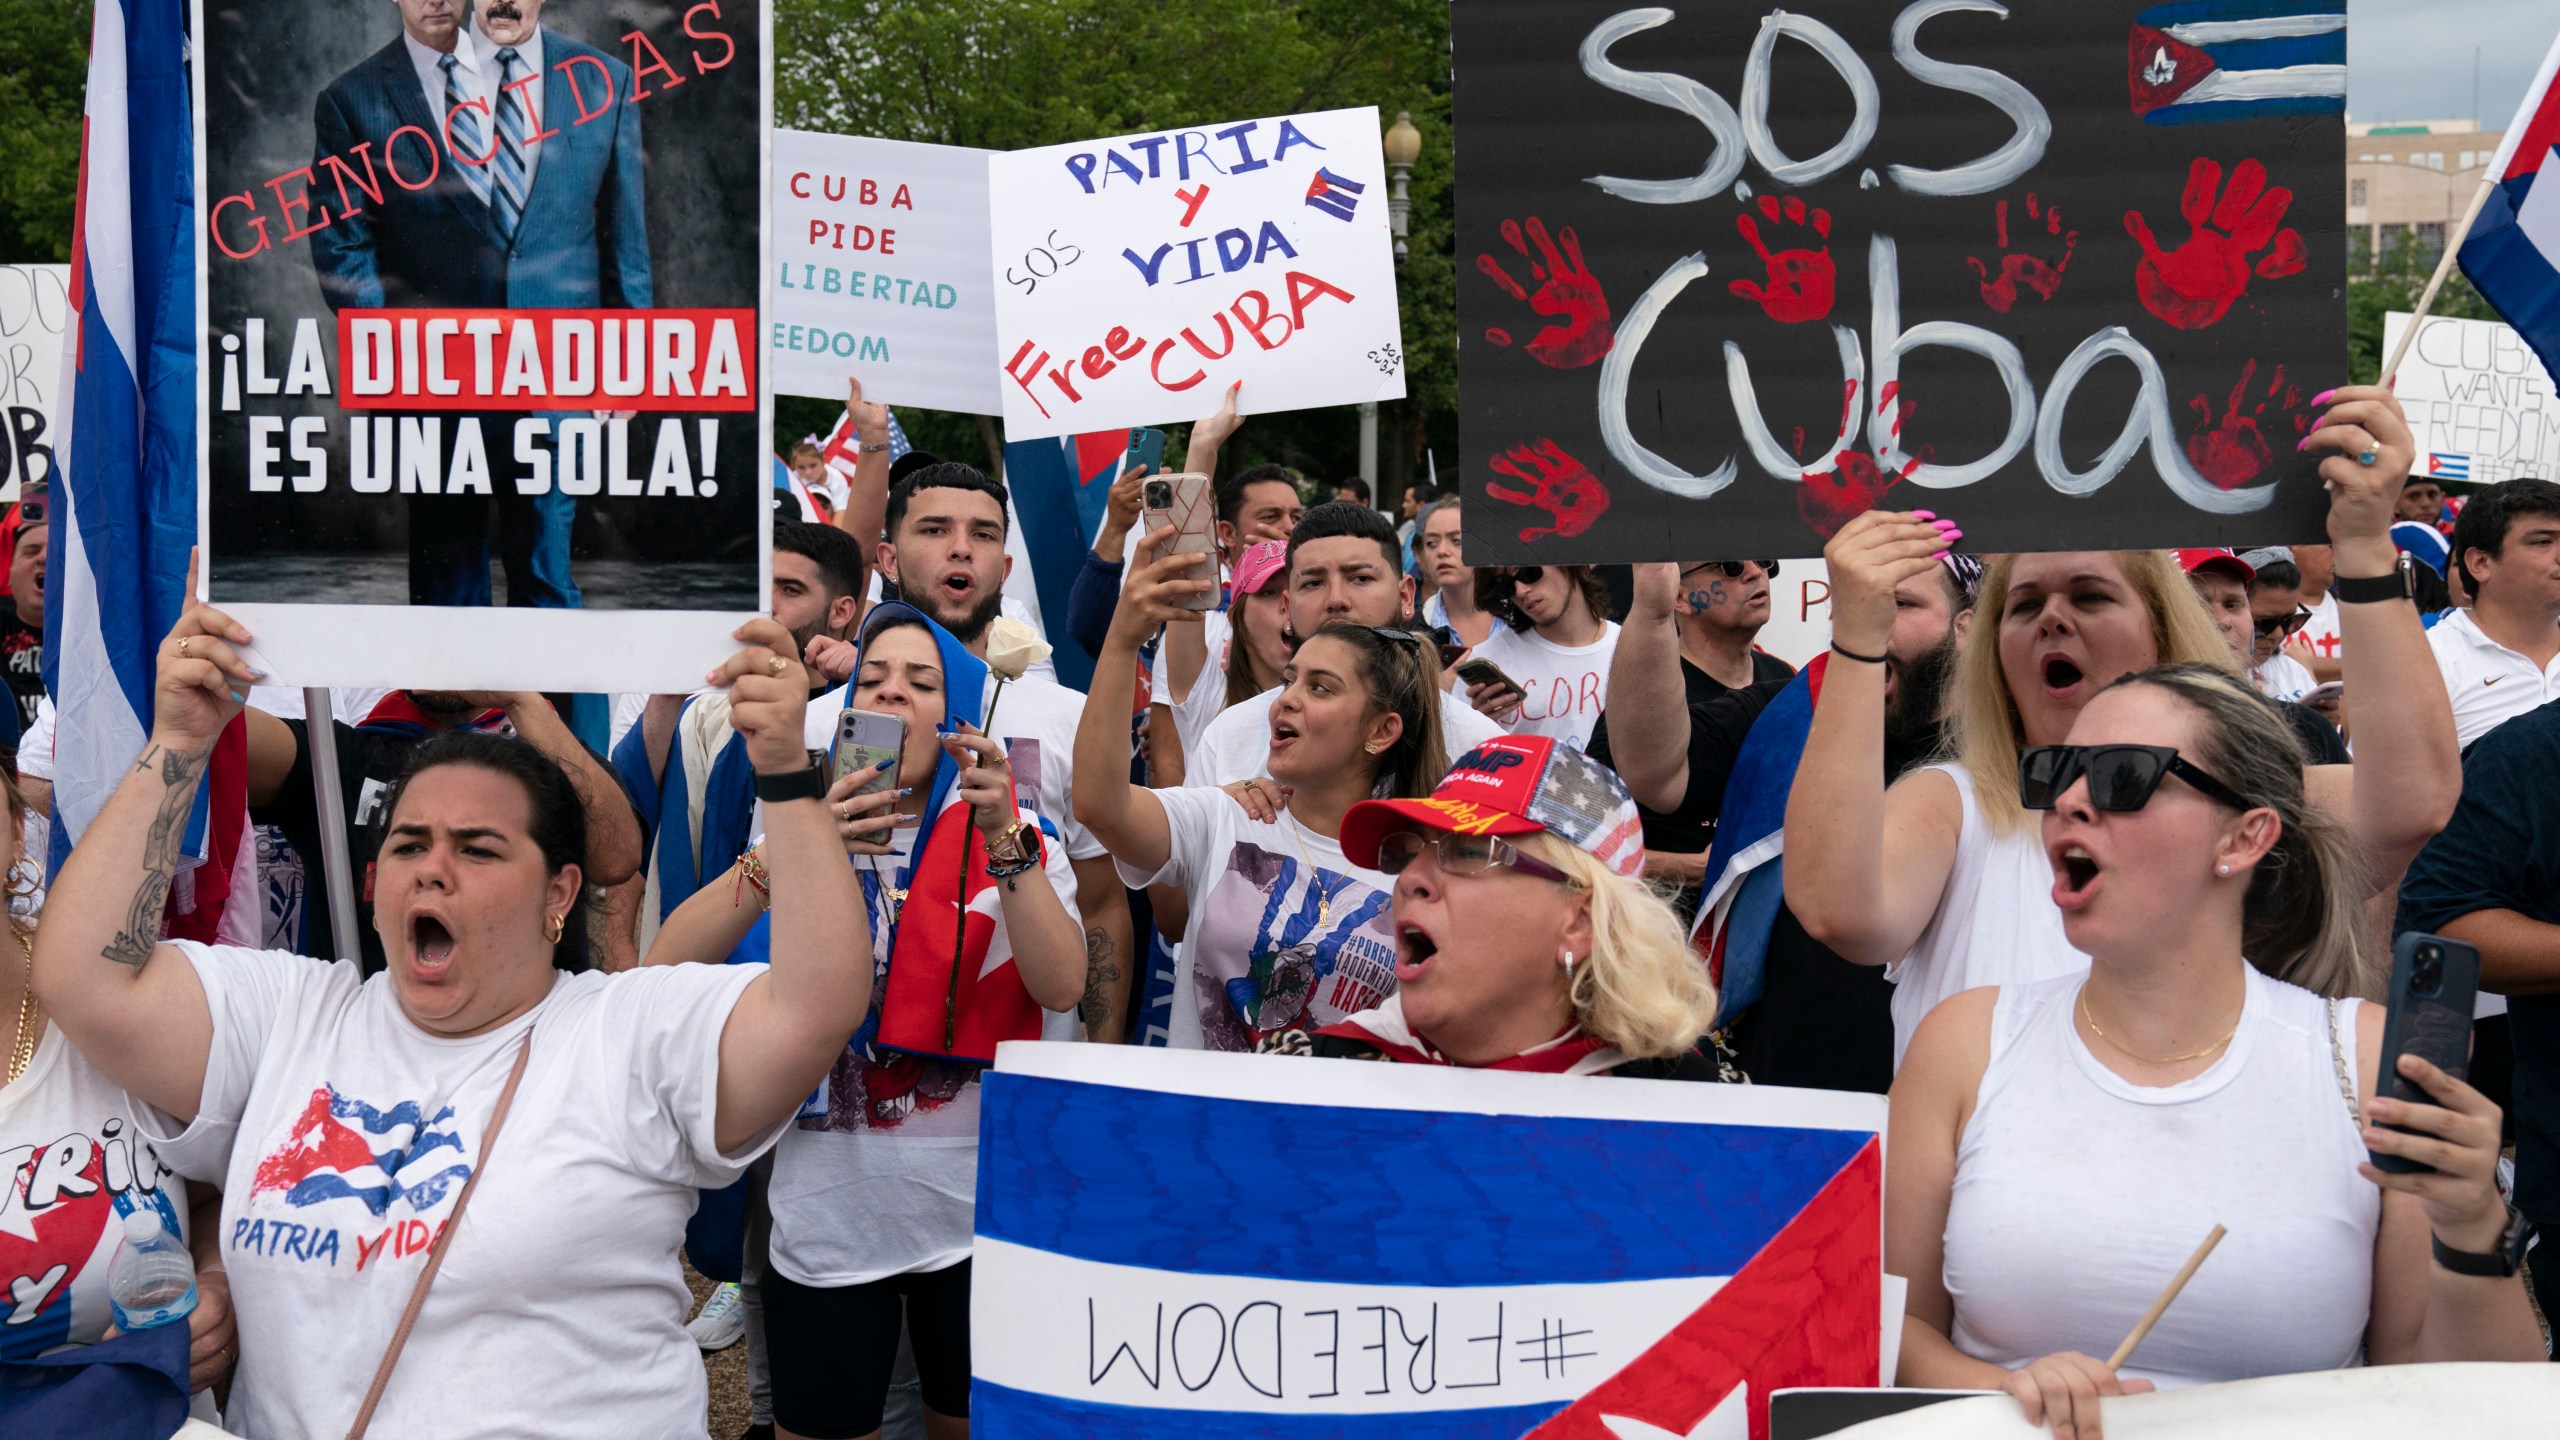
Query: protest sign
[
  {"x": 1137, "y": 277},
  {"x": 479, "y": 326},
  {"x": 1180, "y": 1242},
  {"x": 882, "y": 272},
  {"x": 1731, "y": 274},
  {"x": 35, "y": 309},
  {"x": 2479, "y": 401}
]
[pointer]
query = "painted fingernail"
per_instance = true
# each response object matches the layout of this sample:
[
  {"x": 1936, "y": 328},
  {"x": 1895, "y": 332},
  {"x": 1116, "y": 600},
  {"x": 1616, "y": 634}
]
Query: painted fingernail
[
  {"x": 2323, "y": 397},
  {"x": 1924, "y": 514},
  {"x": 2392, "y": 384},
  {"x": 257, "y": 674},
  {"x": 903, "y": 794},
  {"x": 2304, "y": 445},
  {"x": 1955, "y": 534},
  {"x": 240, "y": 697},
  {"x": 1941, "y": 555},
  {"x": 885, "y": 764}
]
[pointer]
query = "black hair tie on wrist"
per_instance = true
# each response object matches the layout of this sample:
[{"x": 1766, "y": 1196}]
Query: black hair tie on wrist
[{"x": 1854, "y": 655}]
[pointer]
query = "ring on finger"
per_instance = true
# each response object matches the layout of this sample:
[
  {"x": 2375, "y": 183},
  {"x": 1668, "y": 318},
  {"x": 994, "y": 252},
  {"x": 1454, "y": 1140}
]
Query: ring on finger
[
  {"x": 182, "y": 646},
  {"x": 778, "y": 665},
  {"x": 2367, "y": 455}
]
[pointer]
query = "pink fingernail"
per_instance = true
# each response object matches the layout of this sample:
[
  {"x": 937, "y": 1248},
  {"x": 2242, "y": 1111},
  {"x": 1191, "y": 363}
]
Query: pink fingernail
[
  {"x": 2323, "y": 397},
  {"x": 1944, "y": 524},
  {"x": 1924, "y": 515},
  {"x": 1955, "y": 534},
  {"x": 1941, "y": 555}
]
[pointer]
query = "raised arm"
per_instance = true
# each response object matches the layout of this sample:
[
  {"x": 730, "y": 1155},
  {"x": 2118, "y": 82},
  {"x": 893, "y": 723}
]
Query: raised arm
[
  {"x": 1648, "y": 706},
  {"x": 1126, "y": 818},
  {"x": 614, "y": 848},
  {"x": 1864, "y": 868},
  {"x": 792, "y": 1022},
  {"x": 1211, "y": 433},
  {"x": 2396, "y": 703},
  {"x": 866, "y": 509},
  {"x": 130, "y": 1004}
]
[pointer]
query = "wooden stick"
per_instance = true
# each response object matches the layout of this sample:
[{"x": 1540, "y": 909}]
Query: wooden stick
[
  {"x": 2161, "y": 1305},
  {"x": 2444, "y": 267}
]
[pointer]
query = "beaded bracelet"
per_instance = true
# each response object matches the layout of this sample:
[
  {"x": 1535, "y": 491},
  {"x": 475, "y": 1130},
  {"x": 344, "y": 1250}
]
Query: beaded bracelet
[{"x": 751, "y": 871}]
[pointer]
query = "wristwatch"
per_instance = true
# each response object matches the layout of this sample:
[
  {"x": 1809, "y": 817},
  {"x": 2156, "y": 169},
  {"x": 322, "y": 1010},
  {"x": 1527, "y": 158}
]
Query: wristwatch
[
  {"x": 807, "y": 783},
  {"x": 1014, "y": 851},
  {"x": 2499, "y": 1264}
]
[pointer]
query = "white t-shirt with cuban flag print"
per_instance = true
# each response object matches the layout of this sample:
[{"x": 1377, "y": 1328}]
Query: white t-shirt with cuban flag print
[
  {"x": 341, "y": 1135},
  {"x": 72, "y": 1164},
  {"x": 1285, "y": 932}
]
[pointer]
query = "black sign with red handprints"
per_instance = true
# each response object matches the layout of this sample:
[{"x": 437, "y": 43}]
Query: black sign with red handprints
[{"x": 2068, "y": 274}]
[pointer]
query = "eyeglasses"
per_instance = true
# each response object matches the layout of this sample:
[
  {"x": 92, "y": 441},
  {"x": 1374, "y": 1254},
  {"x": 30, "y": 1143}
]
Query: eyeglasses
[
  {"x": 1462, "y": 854},
  {"x": 1733, "y": 568},
  {"x": 2121, "y": 777},
  {"x": 2268, "y": 625},
  {"x": 1528, "y": 574}
]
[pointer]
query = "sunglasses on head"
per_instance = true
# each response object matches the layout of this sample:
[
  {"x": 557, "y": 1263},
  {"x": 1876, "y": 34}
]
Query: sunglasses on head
[
  {"x": 1733, "y": 568},
  {"x": 2267, "y": 625},
  {"x": 2121, "y": 777}
]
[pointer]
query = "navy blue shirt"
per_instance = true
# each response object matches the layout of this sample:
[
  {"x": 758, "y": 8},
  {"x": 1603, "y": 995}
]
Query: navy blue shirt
[{"x": 2502, "y": 852}]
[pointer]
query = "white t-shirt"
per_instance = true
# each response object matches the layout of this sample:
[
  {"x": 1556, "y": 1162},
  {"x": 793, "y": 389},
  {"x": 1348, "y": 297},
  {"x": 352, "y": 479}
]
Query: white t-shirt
[
  {"x": 1284, "y": 931},
  {"x": 1237, "y": 745},
  {"x": 72, "y": 1162},
  {"x": 341, "y": 1134},
  {"x": 1565, "y": 689},
  {"x": 884, "y": 1180},
  {"x": 2282, "y": 677},
  {"x": 1208, "y": 694},
  {"x": 2319, "y": 634}
]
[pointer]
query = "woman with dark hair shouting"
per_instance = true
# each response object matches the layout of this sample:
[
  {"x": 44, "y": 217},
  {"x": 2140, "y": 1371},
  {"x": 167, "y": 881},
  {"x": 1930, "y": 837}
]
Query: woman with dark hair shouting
[{"x": 356, "y": 1126}]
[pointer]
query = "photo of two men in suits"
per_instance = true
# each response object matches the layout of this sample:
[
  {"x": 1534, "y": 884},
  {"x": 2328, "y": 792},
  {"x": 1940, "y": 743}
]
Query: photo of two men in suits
[{"x": 539, "y": 202}]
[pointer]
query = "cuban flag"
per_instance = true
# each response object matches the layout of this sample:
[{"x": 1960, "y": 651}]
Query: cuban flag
[
  {"x": 127, "y": 455},
  {"x": 2513, "y": 253},
  {"x": 1270, "y": 1247},
  {"x": 1745, "y": 881},
  {"x": 2210, "y": 60},
  {"x": 2448, "y": 467},
  {"x": 1060, "y": 488}
]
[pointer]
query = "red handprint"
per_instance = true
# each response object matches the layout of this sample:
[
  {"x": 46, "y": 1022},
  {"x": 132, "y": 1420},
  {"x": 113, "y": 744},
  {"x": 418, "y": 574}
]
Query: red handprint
[
  {"x": 2036, "y": 274},
  {"x": 2234, "y": 452},
  {"x": 1832, "y": 498},
  {"x": 1566, "y": 292},
  {"x": 2194, "y": 285},
  {"x": 1800, "y": 282},
  {"x": 1558, "y": 484}
]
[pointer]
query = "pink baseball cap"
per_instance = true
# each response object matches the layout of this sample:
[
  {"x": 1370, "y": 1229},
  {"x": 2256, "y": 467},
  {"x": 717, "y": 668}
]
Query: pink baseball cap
[{"x": 1259, "y": 562}]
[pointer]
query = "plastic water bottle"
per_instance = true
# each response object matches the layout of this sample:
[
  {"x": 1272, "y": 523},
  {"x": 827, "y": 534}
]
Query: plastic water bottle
[{"x": 153, "y": 1279}]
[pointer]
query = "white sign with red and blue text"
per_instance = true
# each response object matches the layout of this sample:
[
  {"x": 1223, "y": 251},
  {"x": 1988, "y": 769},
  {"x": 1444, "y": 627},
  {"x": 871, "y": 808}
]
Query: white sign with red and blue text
[
  {"x": 1137, "y": 277},
  {"x": 1181, "y": 1242}
]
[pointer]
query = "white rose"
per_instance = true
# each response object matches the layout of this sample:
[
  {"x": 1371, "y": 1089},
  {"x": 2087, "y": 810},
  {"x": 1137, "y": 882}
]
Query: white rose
[{"x": 1013, "y": 647}]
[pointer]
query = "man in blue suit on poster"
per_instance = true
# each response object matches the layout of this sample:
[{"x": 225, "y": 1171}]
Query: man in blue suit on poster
[{"x": 538, "y": 201}]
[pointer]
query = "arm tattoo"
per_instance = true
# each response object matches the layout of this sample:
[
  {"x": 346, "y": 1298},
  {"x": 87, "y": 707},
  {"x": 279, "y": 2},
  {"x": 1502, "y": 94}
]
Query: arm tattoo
[
  {"x": 133, "y": 944},
  {"x": 1101, "y": 973}
]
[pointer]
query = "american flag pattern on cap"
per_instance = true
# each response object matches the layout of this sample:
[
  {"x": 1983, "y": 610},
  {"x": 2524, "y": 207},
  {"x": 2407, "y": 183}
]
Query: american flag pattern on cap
[{"x": 1556, "y": 786}]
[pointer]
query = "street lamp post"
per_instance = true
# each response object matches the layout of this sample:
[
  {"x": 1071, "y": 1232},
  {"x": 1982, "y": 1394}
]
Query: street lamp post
[{"x": 1403, "y": 146}]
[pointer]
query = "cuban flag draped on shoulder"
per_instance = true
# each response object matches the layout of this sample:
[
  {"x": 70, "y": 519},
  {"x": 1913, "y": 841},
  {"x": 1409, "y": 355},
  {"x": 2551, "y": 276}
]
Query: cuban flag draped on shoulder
[
  {"x": 1745, "y": 880},
  {"x": 1350, "y": 1250},
  {"x": 127, "y": 456},
  {"x": 2513, "y": 253}
]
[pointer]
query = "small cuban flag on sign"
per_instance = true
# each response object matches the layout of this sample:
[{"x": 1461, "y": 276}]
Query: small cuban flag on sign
[
  {"x": 2441, "y": 466},
  {"x": 1285, "y": 1248},
  {"x": 2208, "y": 60}
]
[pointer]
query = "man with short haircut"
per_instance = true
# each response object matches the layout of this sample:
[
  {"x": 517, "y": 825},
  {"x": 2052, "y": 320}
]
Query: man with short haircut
[
  {"x": 2501, "y": 657},
  {"x": 944, "y": 550},
  {"x": 1343, "y": 565},
  {"x": 2421, "y": 500},
  {"x": 2226, "y": 583},
  {"x": 1352, "y": 488}
]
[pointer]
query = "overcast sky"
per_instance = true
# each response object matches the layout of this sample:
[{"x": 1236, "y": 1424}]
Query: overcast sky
[{"x": 2412, "y": 59}]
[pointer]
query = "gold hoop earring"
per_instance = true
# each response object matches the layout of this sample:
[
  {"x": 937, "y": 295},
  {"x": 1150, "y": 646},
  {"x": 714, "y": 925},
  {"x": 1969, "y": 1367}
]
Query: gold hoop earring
[{"x": 559, "y": 927}]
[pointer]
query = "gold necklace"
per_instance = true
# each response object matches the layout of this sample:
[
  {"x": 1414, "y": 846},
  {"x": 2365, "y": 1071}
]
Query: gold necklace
[
  {"x": 1315, "y": 878},
  {"x": 30, "y": 1015},
  {"x": 2155, "y": 1059}
]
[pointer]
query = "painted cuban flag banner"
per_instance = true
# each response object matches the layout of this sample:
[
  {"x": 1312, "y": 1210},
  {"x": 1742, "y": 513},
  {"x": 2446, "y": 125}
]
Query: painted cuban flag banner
[
  {"x": 2513, "y": 253},
  {"x": 2209, "y": 60},
  {"x": 1268, "y": 1247}
]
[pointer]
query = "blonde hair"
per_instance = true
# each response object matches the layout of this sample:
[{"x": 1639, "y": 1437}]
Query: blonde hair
[
  {"x": 2303, "y": 921},
  {"x": 1642, "y": 988},
  {"x": 1984, "y": 732}
]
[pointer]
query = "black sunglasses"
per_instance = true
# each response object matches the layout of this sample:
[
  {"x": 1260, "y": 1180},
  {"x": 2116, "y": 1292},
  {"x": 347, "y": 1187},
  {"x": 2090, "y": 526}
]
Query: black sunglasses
[
  {"x": 1733, "y": 568},
  {"x": 2121, "y": 777},
  {"x": 1528, "y": 574},
  {"x": 1398, "y": 634},
  {"x": 2267, "y": 625}
]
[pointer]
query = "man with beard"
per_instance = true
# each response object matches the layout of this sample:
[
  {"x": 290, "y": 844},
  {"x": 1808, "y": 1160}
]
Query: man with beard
[
  {"x": 944, "y": 551},
  {"x": 374, "y": 752},
  {"x": 1818, "y": 1022}
]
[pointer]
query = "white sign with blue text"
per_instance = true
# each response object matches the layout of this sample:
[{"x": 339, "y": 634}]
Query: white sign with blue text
[
  {"x": 880, "y": 256},
  {"x": 1137, "y": 277}
]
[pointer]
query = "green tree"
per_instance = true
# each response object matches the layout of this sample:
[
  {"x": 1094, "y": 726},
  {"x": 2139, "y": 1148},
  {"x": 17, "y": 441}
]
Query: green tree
[
  {"x": 44, "y": 67},
  {"x": 2394, "y": 282},
  {"x": 1011, "y": 74}
]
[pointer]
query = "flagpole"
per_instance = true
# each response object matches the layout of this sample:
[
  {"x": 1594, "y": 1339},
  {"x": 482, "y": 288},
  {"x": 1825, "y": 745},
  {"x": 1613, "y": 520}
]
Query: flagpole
[
  {"x": 337, "y": 867},
  {"x": 2444, "y": 267}
]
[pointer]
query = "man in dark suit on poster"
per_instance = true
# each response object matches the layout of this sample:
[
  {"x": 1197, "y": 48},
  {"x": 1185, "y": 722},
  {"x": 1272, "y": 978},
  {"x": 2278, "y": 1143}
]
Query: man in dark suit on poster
[{"x": 539, "y": 201}]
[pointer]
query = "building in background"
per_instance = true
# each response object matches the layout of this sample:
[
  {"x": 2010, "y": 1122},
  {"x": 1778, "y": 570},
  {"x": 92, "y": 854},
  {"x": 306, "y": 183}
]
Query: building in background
[{"x": 2410, "y": 179}]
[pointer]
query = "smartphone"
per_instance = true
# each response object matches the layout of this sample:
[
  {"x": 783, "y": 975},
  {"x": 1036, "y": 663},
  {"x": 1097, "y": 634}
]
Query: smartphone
[
  {"x": 1182, "y": 502},
  {"x": 1450, "y": 650},
  {"x": 2323, "y": 694},
  {"x": 863, "y": 740},
  {"x": 2433, "y": 983},
  {"x": 1485, "y": 672},
  {"x": 1146, "y": 452}
]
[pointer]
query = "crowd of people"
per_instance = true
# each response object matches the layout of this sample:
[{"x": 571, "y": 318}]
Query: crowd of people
[{"x": 2092, "y": 862}]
